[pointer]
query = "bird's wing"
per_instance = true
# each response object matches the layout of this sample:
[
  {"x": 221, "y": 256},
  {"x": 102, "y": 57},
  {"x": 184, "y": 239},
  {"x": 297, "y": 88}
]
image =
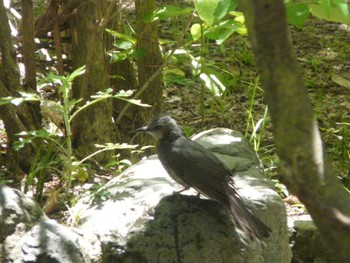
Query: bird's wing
[{"x": 196, "y": 167}]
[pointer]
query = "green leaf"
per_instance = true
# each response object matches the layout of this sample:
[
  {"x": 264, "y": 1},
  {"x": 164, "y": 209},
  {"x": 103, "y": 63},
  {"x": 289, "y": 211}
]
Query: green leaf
[
  {"x": 123, "y": 44},
  {"x": 213, "y": 84},
  {"x": 211, "y": 11},
  {"x": 165, "y": 12},
  {"x": 76, "y": 73},
  {"x": 17, "y": 101},
  {"x": 5, "y": 100},
  {"x": 224, "y": 7},
  {"x": 136, "y": 102},
  {"x": 222, "y": 31},
  {"x": 175, "y": 71},
  {"x": 332, "y": 10},
  {"x": 27, "y": 137},
  {"x": 124, "y": 93},
  {"x": 122, "y": 36},
  {"x": 206, "y": 9},
  {"x": 118, "y": 57},
  {"x": 297, "y": 13},
  {"x": 196, "y": 31}
]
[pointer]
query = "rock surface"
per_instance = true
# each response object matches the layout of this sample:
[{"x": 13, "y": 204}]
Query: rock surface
[
  {"x": 27, "y": 235},
  {"x": 133, "y": 226}
]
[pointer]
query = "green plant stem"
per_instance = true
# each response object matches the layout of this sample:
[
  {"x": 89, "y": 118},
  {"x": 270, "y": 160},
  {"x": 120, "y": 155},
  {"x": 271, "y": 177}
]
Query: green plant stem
[
  {"x": 68, "y": 133},
  {"x": 85, "y": 106},
  {"x": 93, "y": 154},
  {"x": 261, "y": 132},
  {"x": 250, "y": 111}
]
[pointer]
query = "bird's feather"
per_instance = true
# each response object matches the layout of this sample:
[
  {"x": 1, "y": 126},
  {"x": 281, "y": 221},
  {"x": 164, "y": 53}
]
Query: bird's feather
[{"x": 197, "y": 168}]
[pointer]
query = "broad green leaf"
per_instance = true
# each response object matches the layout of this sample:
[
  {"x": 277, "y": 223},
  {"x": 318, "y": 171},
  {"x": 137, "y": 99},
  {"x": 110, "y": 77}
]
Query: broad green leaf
[
  {"x": 118, "y": 57},
  {"x": 165, "y": 12},
  {"x": 239, "y": 17},
  {"x": 297, "y": 13},
  {"x": 222, "y": 31},
  {"x": 332, "y": 10},
  {"x": 243, "y": 31},
  {"x": 211, "y": 11},
  {"x": 213, "y": 84},
  {"x": 123, "y": 44},
  {"x": 224, "y": 7},
  {"x": 196, "y": 31},
  {"x": 175, "y": 71},
  {"x": 206, "y": 10},
  {"x": 122, "y": 36}
]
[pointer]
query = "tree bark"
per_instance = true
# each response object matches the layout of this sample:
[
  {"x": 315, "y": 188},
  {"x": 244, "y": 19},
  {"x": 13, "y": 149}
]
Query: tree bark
[
  {"x": 304, "y": 167},
  {"x": 28, "y": 45},
  {"x": 148, "y": 42},
  {"x": 94, "y": 125},
  {"x": 16, "y": 118}
]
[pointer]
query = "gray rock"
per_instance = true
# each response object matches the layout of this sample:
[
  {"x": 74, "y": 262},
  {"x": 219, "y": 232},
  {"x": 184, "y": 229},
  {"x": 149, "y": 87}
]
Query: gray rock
[
  {"x": 141, "y": 221},
  {"x": 16, "y": 208},
  {"x": 27, "y": 235}
]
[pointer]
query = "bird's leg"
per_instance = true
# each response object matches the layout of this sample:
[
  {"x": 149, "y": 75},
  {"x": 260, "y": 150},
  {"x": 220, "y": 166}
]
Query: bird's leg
[{"x": 182, "y": 190}]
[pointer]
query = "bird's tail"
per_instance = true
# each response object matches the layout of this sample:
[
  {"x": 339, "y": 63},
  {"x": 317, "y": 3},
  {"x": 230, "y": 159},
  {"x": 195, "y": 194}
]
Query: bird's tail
[{"x": 243, "y": 217}]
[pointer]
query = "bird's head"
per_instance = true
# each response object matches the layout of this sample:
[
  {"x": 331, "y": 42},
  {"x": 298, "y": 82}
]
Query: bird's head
[{"x": 161, "y": 127}]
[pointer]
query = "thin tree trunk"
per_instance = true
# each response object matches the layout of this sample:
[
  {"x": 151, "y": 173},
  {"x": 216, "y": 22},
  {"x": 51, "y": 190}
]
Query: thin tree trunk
[
  {"x": 16, "y": 118},
  {"x": 304, "y": 166},
  {"x": 28, "y": 45},
  {"x": 94, "y": 125},
  {"x": 148, "y": 64}
]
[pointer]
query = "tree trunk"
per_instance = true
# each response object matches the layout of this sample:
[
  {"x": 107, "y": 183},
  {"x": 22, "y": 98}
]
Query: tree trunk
[
  {"x": 94, "y": 124},
  {"x": 151, "y": 60},
  {"x": 28, "y": 45},
  {"x": 16, "y": 118},
  {"x": 304, "y": 166}
]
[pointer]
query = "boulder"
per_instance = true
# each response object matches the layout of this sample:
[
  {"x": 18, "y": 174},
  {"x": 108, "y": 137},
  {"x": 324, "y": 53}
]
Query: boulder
[
  {"x": 142, "y": 221},
  {"x": 27, "y": 235}
]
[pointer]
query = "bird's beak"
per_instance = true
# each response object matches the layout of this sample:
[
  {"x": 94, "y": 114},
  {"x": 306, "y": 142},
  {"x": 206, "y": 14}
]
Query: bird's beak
[{"x": 142, "y": 129}]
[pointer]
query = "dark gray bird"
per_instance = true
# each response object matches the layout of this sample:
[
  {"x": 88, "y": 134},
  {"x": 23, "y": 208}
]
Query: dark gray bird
[{"x": 191, "y": 165}]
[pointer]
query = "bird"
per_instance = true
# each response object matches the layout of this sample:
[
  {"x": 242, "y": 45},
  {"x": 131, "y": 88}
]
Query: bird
[{"x": 191, "y": 165}]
